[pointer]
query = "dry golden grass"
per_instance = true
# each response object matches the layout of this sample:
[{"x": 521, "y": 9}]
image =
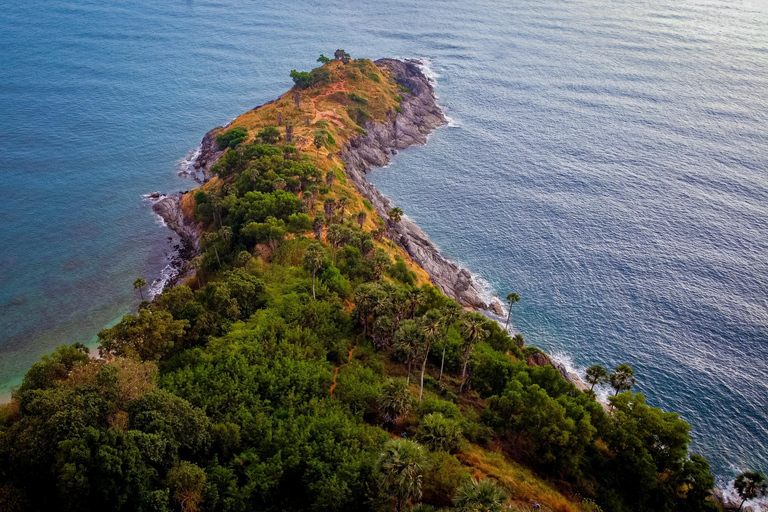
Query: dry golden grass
[{"x": 523, "y": 486}]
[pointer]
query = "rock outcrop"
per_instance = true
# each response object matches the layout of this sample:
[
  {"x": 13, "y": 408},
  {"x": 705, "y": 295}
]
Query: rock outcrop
[
  {"x": 169, "y": 208},
  {"x": 209, "y": 153},
  {"x": 419, "y": 117}
]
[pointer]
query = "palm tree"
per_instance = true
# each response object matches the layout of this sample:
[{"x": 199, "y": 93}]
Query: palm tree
[
  {"x": 401, "y": 469},
  {"x": 395, "y": 400},
  {"x": 451, "y": 313},
  {"x": 480, "y": 496},
  {"x": 622, "y": 378},
  {"x": 596, "y": 374},
  {"x": 407, "y": 342},
  {"x": 318, "y": 141},
  {"x": 342, "y": 204},
  {"x": 395, "y": 215},
  {"x": 367, "y": 297},
  {"x": 139, "y": 284},
  {"x": 511, "y": 299},
  {"x": 361, "y": 218},
  {"x": 432, "y": 330},
  {"x": 473, "y": 331},
  {"x": 329, "y": 177},
  {"x": 313, "y": 260},
  {"x": 750, "y": 485}
]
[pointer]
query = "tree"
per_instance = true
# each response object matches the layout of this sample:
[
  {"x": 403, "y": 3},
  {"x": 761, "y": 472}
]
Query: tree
[
  {"x": 343, "y": 203},
  {"x": 361, "y": 218},
  {"x": 622, "y": 378},
  {"x": 269, "y": 135},
  {"x": 401, "y": 469},
  {"x": 407, "y": 344},
  {"x": 150, "y": 335},
  {"x": 480, "y": 496},
  {"x": 187, "y": 483},
  {"x": 596, "y": 375},
  {"x": 750, "y": 485},
  {"x": 432, "y": 330},
  {"x": 395, "y": 400},
  {"x": 342, "y": 56},
  {"x": 329, "y": 177},
  {"x": 313, "y": 260},
  {"x": 139, "y": 284},
  {"x": 302, "y": 79},
  {"x": 439, "y": 433},
  {"x": 473, "y": 332},
  {"x": 216, "y": 239},
  {"x": 323, "y": 59},
  {"x": 395, "y": 215},
  {"x": 511, "y": 299},
  {"x": 318, "y": 141}
]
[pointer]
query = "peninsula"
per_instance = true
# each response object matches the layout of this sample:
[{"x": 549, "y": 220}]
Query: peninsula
[{"x": 318, "y": 353}]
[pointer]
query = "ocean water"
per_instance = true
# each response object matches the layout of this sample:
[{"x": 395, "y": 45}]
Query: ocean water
[{"x": 607, "y": 160}]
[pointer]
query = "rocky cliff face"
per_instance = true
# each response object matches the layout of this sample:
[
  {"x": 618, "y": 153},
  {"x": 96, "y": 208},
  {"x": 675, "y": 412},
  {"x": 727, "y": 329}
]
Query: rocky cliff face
[
  {"x": 420, "y": 115},
  {"x": 209, "y": 153}
]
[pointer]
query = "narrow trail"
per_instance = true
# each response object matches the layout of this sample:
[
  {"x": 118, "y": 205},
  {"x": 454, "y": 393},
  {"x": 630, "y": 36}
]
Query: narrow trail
[
  {"x": 349, "y": 359},
  {"x": 328, "y": 114}
]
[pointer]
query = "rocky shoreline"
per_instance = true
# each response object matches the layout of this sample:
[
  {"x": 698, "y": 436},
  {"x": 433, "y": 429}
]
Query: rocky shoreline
[{"x": 419, "y": 117}]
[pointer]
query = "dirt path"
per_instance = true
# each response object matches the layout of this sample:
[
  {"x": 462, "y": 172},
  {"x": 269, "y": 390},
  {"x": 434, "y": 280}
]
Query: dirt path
[
  {"x": 349, "y": 359},
  {"x": 328, "y": 115}
]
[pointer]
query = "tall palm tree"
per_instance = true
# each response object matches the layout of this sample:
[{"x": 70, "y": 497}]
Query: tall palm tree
[
  {"x": 139, "y": 284},
  {"x": 480, "y": 496},
  {"x": 750, "y": 485},
  {"x": 342, "y": 205},
  {"x": 451, "y": 313},
  {"x": 596, "y": 374},
  {"x": 401, "y": 470},
  {"x": 406, "y": 344},
  {"x": 511, "y": 299},
  {"x": 432, "y": 330},
  {"x": 395, "y": 215},
  {"x": 473, "y": 332},
  {"x": 395, "y": 400},
  {"x": 361, "y": 218},
  {"x": 622, "y": 378},
  {"x": 318, "y": 141},
  {"x": 313, "y": 260}
]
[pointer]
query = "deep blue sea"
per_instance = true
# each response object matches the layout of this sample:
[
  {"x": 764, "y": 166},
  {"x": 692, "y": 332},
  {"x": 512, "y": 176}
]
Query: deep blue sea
[{"x": 606, "y": 159}]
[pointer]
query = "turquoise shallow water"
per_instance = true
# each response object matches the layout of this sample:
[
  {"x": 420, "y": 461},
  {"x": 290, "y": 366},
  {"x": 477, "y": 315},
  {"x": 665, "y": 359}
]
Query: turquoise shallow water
[{"x": 605, "y": 160}]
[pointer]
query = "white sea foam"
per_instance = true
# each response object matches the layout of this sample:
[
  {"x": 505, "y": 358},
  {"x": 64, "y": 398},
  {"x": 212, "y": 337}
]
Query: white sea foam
[
  {"x": 427, "y": 66},
  {"x": 186, "y": 166},
  {"x": 167, "y": 274}
]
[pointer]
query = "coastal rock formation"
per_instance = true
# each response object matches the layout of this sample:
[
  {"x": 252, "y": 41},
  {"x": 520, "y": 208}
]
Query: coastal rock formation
[
  {"x": 209, "y": 153},
  {"x": 169, "y": 208},
  {"x": 420, "y": 115}
]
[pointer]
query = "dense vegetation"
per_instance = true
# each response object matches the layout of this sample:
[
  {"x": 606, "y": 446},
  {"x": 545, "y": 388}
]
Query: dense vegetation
[{"x": 305, "y": 369}]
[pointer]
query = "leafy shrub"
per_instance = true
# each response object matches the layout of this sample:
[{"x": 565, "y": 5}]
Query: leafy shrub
[
  {"x": 403, "y": 88},
  {"x": 400, "y": 272},
  {"x": 269, "y": 135},
  {"x": 374, "y": 76},
  {"x": 231, "y": 138},
  {"x": 359, "y": 99},
  {"x": 399, "y": 109},
  {"x": 367, "y": 204},
  {"x": 439, "y": 433},
  {"x": 435, "y": 405},
  {"x": 302, "y": 79}
]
